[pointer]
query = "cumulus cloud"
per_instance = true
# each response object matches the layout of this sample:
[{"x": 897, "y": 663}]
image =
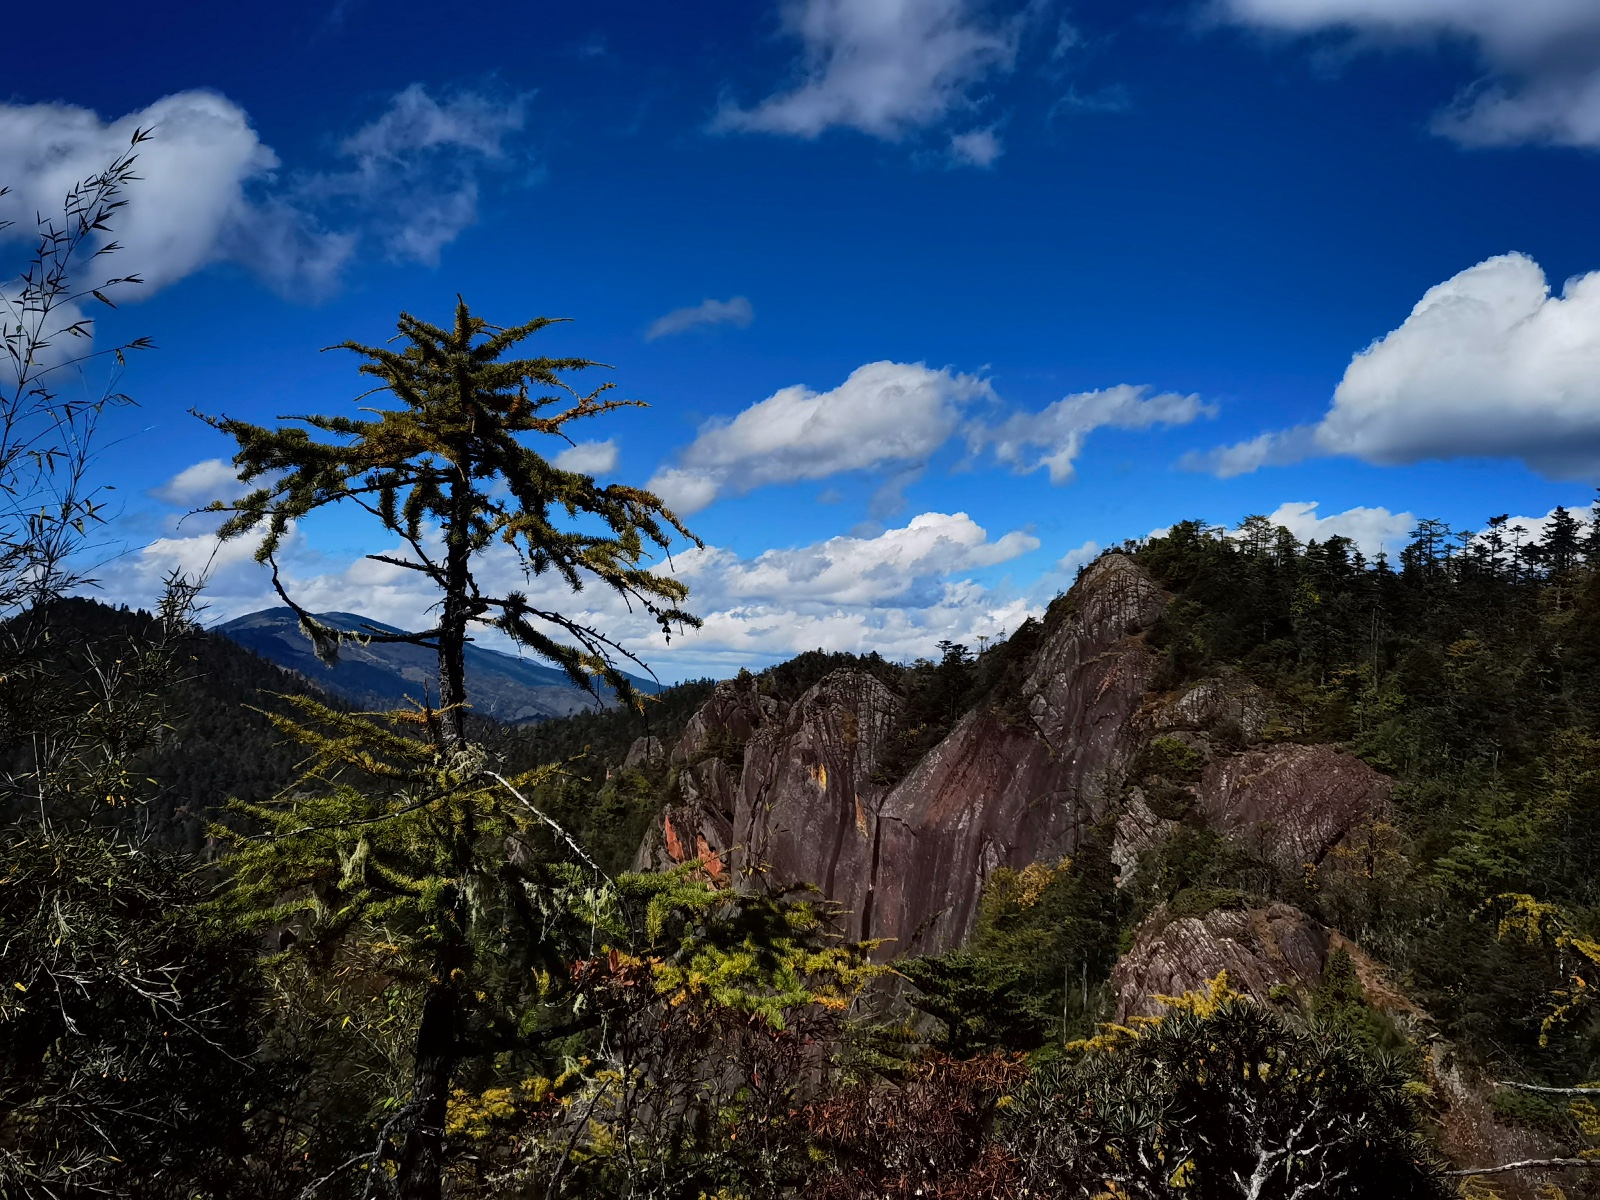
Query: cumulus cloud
[
  {"x": 210, "y": 190},
  {"x": 1053, "y": 438},
  {"x": 589, "y": 458},
  {"x": 737, "y": 312},
  {"x": 1544, "y": 56},
  {"x": 190, "y": 200},
  {"x": 849, "y": 570},
  {"x": 205, "y": 481},
  {"x": 1490, "y": 363},
  {"x": 976, "y": 148},
  {"x": 898, "y": 593},
  {"x": 1371, "y": 529},
  {"x": 884, "y": 67},
  {"x": 884, "y": 413}
]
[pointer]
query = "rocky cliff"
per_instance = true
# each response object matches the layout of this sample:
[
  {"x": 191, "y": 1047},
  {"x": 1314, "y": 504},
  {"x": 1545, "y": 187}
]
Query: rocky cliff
[
  {"x": 788, "y": 792},
  {"x": 795, "y": 792}
]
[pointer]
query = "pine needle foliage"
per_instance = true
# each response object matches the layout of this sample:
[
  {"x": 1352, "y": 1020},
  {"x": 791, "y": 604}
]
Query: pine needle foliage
[
  {"x": 448, "y": 472},
  {"x": 420, "y": 855},
  {"x": 398, "y": 857}
]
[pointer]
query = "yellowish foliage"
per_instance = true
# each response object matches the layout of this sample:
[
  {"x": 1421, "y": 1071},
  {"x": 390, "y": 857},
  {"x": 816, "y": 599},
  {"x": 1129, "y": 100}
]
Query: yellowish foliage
[
  {"x": 1201, "y": 1003},
  {"x": 1012, "y": 891},
  {"x": 1540, "y": 923},
  {"x": 479, "y": 1117}
]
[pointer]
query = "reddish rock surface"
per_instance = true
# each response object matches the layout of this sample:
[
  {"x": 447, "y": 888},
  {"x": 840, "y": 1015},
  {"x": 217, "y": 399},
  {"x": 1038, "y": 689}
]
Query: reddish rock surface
[
  {"x": 909, "y": 864},
  {"x": 1292, "y": 804},
  {"x": 705, "y": 764},
  {"x": 993, "y": 794},
  {"x": 808, "y": 810}
]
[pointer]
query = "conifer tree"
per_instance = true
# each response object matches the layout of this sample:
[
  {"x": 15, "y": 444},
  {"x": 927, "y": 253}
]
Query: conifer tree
[
  {"x": 1563, "y": 542},
  {"x": 412, "y": 852},
  {"x": 431, "y": 473}
]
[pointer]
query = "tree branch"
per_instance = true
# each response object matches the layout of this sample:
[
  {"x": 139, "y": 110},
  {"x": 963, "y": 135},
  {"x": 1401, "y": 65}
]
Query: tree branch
[{"x": 1529, "y": 1164}]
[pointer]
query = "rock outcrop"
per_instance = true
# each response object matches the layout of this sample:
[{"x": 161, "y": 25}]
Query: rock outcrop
[
  {"x": 1261, "y": 948},
  {"x": 706, "y": 764},
  {"x": 808, "y": 810},
  {"x": 1291, "y": 804},
  {"x": 788, "y": 793}
]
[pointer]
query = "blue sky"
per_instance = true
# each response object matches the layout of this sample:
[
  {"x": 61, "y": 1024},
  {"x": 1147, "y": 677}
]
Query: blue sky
[{"x": 928, "y": 297}]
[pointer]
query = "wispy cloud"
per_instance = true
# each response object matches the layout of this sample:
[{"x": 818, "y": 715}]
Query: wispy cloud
[
  {"x": 1053, "y": 438},
  {"x": 738, "y": 312},
  {"x": 1544, "y": 56},
  {"x": 884, "y": 67},
  {"x": 976, "y": 148}
]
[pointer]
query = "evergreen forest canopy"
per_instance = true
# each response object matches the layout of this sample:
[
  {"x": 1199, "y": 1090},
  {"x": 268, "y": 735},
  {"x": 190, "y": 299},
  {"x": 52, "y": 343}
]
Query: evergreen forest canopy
[{"x": 255, "y": 943}]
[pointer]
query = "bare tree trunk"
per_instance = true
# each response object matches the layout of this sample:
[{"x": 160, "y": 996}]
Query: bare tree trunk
[
  {"x": 421, "y": 1174},
  {"x": 453, "y": 620}
]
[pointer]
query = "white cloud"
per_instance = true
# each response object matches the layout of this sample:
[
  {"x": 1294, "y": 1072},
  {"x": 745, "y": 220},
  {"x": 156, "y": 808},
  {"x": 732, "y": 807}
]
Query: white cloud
[
  {"x": 1054, "y": 437},
  {"x": 884, "y": 67},
  {"x": 885, "y": 412},
  {"x": 1371, "y": 529},
  {"x": 976, "y": 148},
  {"x": 1073, "y": 561},
  {"x": 849, "y": 570},
  {"x": 205, "y": 481},
  {"x": 190, "y": 198},
  {"x": 1544, "y": 55},
  {"x": 413, "y": 179},
  {"x": 589, "y": 458},
  {"x": 737, "y": 312},
  {"x": 210, "y": 190},
  {"x": 1488, "y": 364},
  {"x": 898, "y": 593},
  {"x": 1275, "y": 448}
]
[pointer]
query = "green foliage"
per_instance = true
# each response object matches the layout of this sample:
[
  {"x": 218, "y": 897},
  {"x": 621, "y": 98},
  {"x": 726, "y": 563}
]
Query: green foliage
[
  {"x": 1043, "y": 946},
  {"x": 452, "y": 456},
  {"x": 1202, "y": 901},
  {"x": 1231, "y": 1102},
  {"x": 979, "y": 1002},
  {"x": 1471, "y": 675},
  {"x": 185, "y": 705}
]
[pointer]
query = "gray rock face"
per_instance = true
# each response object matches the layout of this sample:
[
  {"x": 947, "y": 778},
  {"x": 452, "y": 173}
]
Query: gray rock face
[
  {"x": 1212, "y": 704},
  {"x": 1138, "y": 830},
  {"x": 1259, "y": 948},
  {"x": 643, "y": 752},
  {"x": 1293, "y": 804}
]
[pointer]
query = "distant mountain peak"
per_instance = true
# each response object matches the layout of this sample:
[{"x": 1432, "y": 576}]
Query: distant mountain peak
[{"x": 385, "y": 674}]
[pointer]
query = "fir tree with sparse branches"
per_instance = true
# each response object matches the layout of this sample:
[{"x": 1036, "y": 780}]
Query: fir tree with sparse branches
[{"x": 449, "y": 474}]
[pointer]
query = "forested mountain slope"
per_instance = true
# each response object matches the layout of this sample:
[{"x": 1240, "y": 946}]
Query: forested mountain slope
[
  {"x": 1365, "y": 795},
  {"x": 1217, "y": 752}
]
